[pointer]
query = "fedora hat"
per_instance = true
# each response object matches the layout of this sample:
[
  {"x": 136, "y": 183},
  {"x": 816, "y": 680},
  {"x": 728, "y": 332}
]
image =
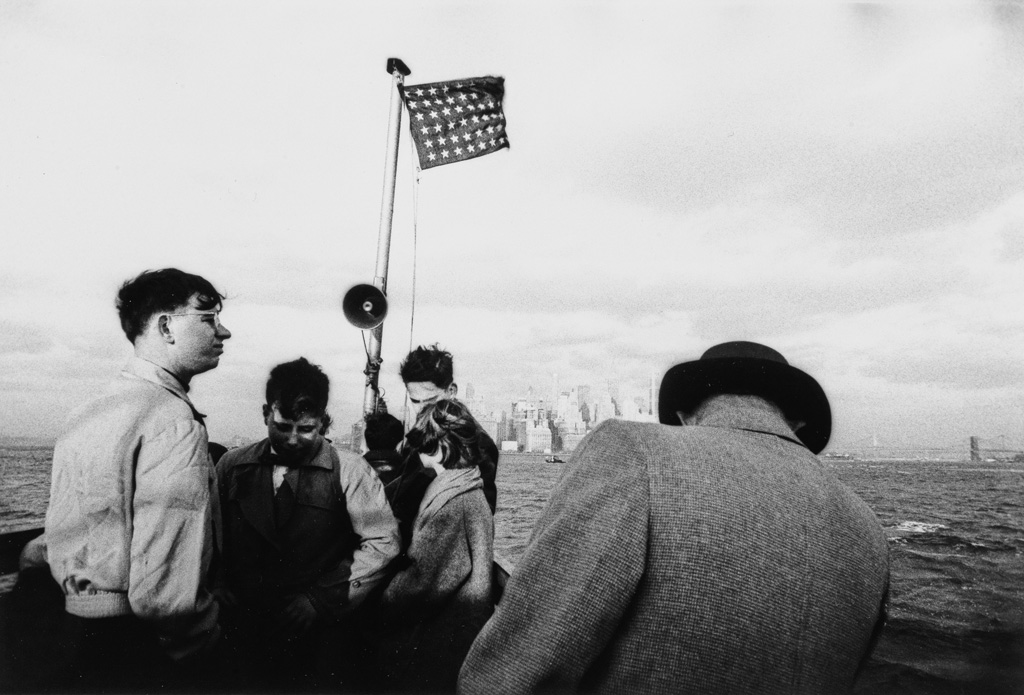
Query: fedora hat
[{"x": 748, "y": 368}]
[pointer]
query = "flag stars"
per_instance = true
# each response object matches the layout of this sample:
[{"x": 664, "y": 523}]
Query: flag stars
[{"x": 454, "y": 121}]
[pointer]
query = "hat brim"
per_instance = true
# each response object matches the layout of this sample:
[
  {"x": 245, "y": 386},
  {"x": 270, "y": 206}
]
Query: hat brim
[{"x": 796, "y": 393}]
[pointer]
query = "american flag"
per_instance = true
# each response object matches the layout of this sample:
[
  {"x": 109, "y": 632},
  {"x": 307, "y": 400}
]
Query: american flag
[{"x": 453, "y": 121}]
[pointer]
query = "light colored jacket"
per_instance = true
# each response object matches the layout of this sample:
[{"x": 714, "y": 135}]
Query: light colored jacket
[
  {"x": 131, "y": 524},
  {"x": 717, "y": 558}
]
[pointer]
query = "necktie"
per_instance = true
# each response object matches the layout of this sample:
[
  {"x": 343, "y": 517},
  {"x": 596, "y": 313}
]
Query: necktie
[{"x": 284, "y": 500}]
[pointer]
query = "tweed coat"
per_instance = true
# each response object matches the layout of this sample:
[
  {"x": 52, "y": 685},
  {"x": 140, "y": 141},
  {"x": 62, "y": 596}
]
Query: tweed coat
[
  {"x": 717, "y": 558},
  {"x": 434, "y": 608}
]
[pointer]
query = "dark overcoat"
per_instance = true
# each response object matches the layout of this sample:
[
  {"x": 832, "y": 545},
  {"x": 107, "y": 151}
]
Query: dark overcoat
[
  {"x": 719, "y": 558},
  {"x": 336, "y": 544}
]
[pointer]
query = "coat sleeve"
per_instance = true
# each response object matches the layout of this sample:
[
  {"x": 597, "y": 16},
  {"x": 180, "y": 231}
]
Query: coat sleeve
[
  {"x": 576, "y": 579},
  {"x": 172, "y": 539},
  {"x": 377, "y": 538}
]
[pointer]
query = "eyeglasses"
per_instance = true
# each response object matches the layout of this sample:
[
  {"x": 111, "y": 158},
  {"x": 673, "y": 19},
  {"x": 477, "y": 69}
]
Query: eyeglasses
[{"x": 206, "y": 316}]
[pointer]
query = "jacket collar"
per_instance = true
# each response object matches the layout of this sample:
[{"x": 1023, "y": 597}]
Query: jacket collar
[
  {"x": 318, "y": 457},
  {"x": 257, "y": 468},
  {"x": 447, "y": 485},
  {"x": 750, "y": 413},
  {"x": 138, "y": 368}
]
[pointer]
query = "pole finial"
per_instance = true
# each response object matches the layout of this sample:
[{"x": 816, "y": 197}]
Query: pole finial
[{"x": 396, "y": 65}]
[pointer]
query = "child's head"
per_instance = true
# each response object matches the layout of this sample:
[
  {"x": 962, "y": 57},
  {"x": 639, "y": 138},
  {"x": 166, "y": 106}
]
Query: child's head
[
  {"x": 383, "y": 431},
  {"x": 446, "y": 428}
]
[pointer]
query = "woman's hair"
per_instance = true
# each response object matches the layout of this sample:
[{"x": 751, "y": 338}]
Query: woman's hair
[{"x": 448, "y": 426}]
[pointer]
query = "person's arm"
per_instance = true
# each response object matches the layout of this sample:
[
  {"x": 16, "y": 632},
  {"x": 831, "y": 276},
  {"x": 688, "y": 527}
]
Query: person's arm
[
  {"x": 343, "y": 589},
  {"x": 576, "y": 579},
  {"x": 172, "y": 540}
]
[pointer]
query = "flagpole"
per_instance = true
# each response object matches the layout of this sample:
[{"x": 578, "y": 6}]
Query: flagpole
[{"x": 398, "y": 72}]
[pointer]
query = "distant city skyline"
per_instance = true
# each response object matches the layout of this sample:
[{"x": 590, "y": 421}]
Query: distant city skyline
[{"x": 842, "y": 181}]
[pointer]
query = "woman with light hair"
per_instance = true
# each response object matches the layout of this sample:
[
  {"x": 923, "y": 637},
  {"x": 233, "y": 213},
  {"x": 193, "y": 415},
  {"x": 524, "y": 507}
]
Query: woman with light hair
[{"x": 441, "y": 598}]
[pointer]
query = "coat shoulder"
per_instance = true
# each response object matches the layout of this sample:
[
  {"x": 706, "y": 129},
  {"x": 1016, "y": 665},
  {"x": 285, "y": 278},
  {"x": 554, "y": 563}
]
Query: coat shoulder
[{"x": 239, "y": 455}]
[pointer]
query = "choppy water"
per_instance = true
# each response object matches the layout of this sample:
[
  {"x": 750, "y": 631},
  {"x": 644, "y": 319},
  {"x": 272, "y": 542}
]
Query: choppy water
[{"x": 956, "y": 537}]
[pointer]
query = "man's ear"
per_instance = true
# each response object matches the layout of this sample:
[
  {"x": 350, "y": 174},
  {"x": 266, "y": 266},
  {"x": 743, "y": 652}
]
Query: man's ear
[
  {"x": 452, "y": 391},
  {"x": 267, "y": 413},
  {"x": 163, "y": 326}
]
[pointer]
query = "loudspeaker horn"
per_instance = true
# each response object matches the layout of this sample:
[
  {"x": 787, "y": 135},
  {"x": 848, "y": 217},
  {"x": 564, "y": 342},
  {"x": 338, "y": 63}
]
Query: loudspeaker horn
[{"x": 365, "y": 306}]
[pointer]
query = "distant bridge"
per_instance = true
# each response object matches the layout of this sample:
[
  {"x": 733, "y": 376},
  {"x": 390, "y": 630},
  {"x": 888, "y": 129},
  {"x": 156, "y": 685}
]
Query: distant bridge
[{"x": 1000, "y": 448}]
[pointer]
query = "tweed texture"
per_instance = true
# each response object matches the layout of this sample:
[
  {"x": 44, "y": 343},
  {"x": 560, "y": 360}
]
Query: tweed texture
[
  {"x": 435, "y": 607},
  {"x": 719, "y": 558}
]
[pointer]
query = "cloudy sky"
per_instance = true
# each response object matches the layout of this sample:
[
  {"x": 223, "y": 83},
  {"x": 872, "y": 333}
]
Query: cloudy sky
[{"x": 843, "y": 182}]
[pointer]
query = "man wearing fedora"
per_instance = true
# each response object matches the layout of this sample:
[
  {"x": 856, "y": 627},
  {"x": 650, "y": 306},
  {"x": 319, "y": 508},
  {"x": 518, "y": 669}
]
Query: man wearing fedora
[{"x": 716, "y": 557}]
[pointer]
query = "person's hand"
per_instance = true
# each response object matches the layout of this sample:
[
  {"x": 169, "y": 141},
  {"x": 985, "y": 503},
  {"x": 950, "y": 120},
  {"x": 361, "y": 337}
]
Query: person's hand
[{"x": 297, "y": 616}]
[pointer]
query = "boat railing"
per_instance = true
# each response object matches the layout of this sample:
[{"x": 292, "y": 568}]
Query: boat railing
[{"x": 13, "y": 539}]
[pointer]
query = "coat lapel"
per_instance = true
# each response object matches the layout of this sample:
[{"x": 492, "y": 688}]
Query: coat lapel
[{"x": 256, "y": 496}]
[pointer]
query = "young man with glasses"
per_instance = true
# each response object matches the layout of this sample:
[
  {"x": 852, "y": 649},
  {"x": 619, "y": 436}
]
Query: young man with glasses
[{"x": 133, "y": 520}]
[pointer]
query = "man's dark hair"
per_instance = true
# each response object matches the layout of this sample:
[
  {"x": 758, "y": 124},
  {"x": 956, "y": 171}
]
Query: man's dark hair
[
  {"x": 156, "y": 291},
  {"x": 428, "y": 364},
  {"x": 383, "y": 431},
  {"x": 299, "y": 388}
]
